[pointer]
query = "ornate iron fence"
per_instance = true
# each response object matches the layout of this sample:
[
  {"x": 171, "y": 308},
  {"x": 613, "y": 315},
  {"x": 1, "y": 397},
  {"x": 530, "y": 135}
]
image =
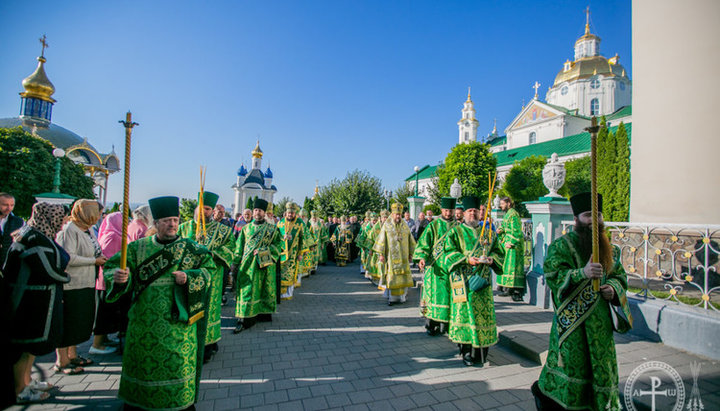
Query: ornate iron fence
[
  {"x": 673, "y": 262},
  {"x": 527, "y": 228}
]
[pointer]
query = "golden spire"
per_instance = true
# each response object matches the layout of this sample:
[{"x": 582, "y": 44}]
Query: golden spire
[
  {"x": 37, "y": 85},
  {"x": 494, "y": 126},
  {"x": 468, "y": 99},
  {"x": 587, "y": 20},
  {"x": 257, "y": 153}
]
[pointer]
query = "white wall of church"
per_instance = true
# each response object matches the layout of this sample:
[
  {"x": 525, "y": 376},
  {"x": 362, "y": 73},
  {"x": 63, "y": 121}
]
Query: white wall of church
[{"x": 688, "y": 191}]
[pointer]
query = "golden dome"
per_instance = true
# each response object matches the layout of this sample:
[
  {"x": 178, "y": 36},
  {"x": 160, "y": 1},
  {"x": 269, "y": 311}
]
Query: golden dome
[
  {"x": 37, "y": 85},
  {"x": 257, "y": 153},
  {"x": 587, "y": 67}
]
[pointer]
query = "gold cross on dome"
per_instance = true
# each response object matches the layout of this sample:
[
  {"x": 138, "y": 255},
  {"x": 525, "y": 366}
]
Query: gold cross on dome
[{"x": 45, "y": 45}]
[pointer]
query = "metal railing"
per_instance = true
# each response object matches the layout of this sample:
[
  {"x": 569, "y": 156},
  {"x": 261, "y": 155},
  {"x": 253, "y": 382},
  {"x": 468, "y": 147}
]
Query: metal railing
[
  {"x": 527, "y": 228},
  {"x": 673, "y": 262}
]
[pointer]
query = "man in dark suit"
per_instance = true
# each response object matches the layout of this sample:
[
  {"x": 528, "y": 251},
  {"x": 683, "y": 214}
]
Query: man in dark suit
[{"x": 8, "y": 223}]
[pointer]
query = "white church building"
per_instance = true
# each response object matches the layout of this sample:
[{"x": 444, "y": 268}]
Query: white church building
[
  {"x": 589, "y": 85},
  {"x": 253, "y": 183}
]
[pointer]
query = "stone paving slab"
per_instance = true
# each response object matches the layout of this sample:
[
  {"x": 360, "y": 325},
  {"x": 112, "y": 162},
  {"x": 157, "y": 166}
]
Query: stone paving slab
[{"x": 337, "y": 345}]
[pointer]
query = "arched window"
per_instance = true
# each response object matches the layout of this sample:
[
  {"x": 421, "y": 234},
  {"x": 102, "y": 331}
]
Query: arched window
[
  {"x": 533, "y": 138},
  {"x": 594, "y": 107},
  {"x": 595, "y": 84},
  {"x": 467, "y": 136}
]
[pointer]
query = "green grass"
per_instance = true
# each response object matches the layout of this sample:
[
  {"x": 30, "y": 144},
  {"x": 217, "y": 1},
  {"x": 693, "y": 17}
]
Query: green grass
[{"x": 683, "y": 299}]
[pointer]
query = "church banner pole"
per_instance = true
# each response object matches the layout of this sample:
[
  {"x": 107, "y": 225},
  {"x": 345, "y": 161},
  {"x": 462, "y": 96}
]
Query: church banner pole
[
  {"x": 593, "y": 130},
  {"x": 128, "y": 124}
]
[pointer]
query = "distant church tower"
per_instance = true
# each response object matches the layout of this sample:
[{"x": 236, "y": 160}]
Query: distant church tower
[{"x": 468, "y": 125}]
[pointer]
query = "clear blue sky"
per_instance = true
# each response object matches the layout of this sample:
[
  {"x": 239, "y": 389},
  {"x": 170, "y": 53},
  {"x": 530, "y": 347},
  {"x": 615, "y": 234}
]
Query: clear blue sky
[{"x": 329, "y": 86}]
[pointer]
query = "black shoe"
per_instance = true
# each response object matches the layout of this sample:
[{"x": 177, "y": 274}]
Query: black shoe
[
  {"x": 432, "y": 331},
  {"x": 224, "y": 300},
  {"x": 468, "y": 359},
  {"x": 517, "y": 297},
  {"x": 390, "y": 303}
]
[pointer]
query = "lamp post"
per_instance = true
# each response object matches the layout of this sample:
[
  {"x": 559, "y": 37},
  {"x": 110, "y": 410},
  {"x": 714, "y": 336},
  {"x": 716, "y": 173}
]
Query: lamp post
[
  {"x": 58, "y": 153},
  {"x": 456, "y": 189},
  {"x": 388, "y": 194},
  {"x": 417, "y": 169}
]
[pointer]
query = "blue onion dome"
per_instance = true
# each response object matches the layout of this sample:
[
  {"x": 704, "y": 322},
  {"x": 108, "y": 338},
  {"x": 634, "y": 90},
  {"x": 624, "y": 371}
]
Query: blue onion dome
[
  {"x": 242, "y": 171},
  {"x": 268, "y": 173}
]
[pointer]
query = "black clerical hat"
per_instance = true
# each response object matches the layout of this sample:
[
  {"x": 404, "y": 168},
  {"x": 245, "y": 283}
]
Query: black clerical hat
[
  {"x": 162, "y": 207},
  {"x": 447, "y": 203},
  {"x": 260, "y": 203},
  {"x": 209, "y": 199},
  {"x": 582, "y": 202},
  {"x": 469, "y": 202}
]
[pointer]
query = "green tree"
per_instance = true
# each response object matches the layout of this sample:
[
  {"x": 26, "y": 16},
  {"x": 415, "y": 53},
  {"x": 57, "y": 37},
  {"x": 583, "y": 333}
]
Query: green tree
[
  {"x": 279, "y": 207},
  {"x": 577, "y": 177},
  {"x": 606, "y": 170},
  {"x": 27, "y": 167},
  {"x": 435, "y": 209},
  {"x": 524, "y": 182},
  {"x": 308, "y": 205},
  {"x": 356, "y": 193},
  {"x": 187, "y": 209},
  {"x": 621, "y": 201},
  {"x": 249, "y": 203},
  {"x": 401, "y": 194},
  {"x": 470, "y": 164}
]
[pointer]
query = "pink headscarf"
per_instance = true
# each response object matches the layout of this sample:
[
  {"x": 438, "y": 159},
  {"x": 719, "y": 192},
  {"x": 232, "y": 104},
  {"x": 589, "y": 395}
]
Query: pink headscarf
[{"x": 110, "y": 239}]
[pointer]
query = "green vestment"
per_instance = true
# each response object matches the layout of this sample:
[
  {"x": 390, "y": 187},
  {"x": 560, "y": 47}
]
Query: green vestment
[
  {"x": 581, "y": 368},
  {"x": 322, "y": 245},
  {"x": 292, "y": 244},
  {"x": 319, "y": 232},
  {"x": 396, "y": 244},
  {"x": 256, "y": 290},
  {"x": 374, "y": 268},
  {"x": 513, "y": 270},
  {"x": 307, "y": 259},
  {"x": 471, "y": 321},
  {"x": 164, "y": 342},
  {"x": 435, "y": 302},
  {"x": 221, "y": 243},
  {"x": 342, "y": 239}
]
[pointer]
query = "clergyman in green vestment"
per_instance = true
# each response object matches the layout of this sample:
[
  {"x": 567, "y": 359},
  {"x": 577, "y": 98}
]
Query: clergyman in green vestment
[
  {"x": 581, "y": 370},
  {"x": 219, "y": 239},
  {"x": 470, "y": 252},
  {"x": 168, "y": 278},
  {"x": 395, "y": 246},
  {"x": 292, "y": 233},
  {"x": 435, "y": 301},
  {"x": 512, "y": 279},
  {"x": 374, "y": 268},
  {"x": 319, "y": 231},
  {"x": 257, "y": 252},
  {"x": 341, "y": 241}
]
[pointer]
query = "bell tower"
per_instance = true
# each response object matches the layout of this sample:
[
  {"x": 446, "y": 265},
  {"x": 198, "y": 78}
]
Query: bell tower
[{"x": 468, "y": 124}]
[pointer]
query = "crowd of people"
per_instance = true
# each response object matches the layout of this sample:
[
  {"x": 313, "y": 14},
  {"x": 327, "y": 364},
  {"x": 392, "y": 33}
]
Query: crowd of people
[{"x": 65, "y": 279}]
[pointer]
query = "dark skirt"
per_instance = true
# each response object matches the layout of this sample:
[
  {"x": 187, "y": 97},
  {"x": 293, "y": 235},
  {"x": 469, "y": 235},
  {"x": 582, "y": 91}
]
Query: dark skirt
[
  {"x": 111, "y": 317},
  {"x": 37, "y": 325},
  {"x": 78, "y": 316}
]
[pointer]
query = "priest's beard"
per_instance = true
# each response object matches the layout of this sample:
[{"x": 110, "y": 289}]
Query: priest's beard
[
  {"x": 472, "y": 222},
  {"x": 585, "y": 234}
]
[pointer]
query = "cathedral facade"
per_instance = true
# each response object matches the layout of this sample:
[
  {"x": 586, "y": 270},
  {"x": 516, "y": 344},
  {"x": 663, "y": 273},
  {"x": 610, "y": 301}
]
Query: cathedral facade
[{"x": 253, "y": 183}]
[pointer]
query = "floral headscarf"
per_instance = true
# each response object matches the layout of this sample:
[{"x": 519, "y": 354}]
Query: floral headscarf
[
  {"x": 47, "y": 218},
  {"x": 85, "y": 213}
]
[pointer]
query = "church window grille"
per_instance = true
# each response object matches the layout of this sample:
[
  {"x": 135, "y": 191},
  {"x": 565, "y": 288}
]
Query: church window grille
[
  {"x": 564, "y": 90},
  {"x": 594, "y": 107},
  {"x": 467, "y": 136},
  {"x": 595, "y": 84},
  {"x": 533, "y": 138}
]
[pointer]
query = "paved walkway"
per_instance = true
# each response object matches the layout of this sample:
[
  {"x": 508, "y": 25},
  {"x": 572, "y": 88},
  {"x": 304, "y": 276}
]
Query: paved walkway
[{"x": 337, "y": 345}]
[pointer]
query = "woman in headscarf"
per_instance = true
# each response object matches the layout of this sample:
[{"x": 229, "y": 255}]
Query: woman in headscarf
[
  {"x": 107, "y": 320},
  {"x": 33, "y": 278},
  {"x": 78, "y": 239},
  {"x": 142, "y": 221}
]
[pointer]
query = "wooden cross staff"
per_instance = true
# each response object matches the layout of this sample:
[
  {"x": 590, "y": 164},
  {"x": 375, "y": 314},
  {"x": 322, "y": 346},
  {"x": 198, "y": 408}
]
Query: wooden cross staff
[
  {"x": 202, "y": 232},
  {"x": 593, "y": 130},
  {"x": 129, "y": 124}
]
